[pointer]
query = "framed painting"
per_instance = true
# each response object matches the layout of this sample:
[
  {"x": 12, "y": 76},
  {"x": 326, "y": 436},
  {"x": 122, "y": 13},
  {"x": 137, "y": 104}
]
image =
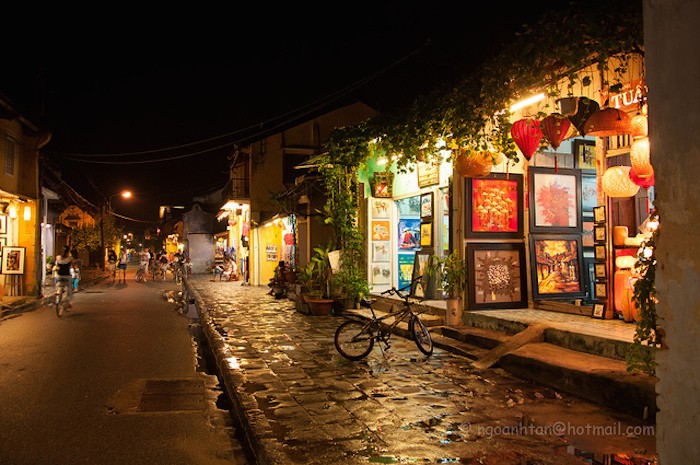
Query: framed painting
[
  {"x": 555, "y": 200},
  {"x": 598, "y": 310},
  {"x": 600, "y": 271},
  {"x": 601, "y": 290},
  {"x": 380, "y": 252},
  {"x": 557, "y": 266},
  {"x": 496, "y": 275},
  {"x": 3, "y": 241},
  {"x": 599, "y": 234},
  {"x": 3, "y": 224},
  {"x": 495, "y": 206},
  {"x": 601, "y": 252},
  {"x": 426, "y": 286},
  {"x": 589, "y": 194},
  {"x": 13, "y": 260},
  {"x": 382, "y": 184},
  {"x": 426, "y": 234},
  {"x": 381, "y": 230},
  {"x": 380, "y": 208},
  {"x": 599, "y": 214},
  {"x": 381, "y": 274},
  {"x": 409, "y": 234},
  {"x": 426, "y": 205},
  {"x": 584, "y": 154}
]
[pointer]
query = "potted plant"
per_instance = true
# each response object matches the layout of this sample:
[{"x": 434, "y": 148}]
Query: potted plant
[
  {"x": 451, "y": 273},
  {"x": 316, "y": 279}
]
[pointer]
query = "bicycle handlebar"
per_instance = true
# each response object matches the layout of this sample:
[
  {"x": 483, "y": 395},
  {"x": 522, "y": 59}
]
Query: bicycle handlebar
[{"x": 400, "y": 292}]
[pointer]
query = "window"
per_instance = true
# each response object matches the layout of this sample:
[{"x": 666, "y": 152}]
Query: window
[{"x": 10, "y": 157}]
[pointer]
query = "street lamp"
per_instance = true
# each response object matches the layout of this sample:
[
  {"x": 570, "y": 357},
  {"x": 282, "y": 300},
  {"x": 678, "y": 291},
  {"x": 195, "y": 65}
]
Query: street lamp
[{"x": 107, "y": 207}]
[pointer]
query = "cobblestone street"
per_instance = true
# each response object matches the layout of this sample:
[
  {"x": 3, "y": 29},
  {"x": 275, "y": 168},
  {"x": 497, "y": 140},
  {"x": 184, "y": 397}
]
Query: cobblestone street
[{"x": 301, "y": 402}]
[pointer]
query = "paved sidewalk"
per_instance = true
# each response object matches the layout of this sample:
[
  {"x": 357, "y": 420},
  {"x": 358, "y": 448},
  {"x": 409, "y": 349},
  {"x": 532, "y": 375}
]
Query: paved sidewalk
[{"x": 299, "y": 401}]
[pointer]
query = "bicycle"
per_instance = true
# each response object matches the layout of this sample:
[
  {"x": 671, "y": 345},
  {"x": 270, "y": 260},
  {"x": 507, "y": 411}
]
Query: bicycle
[
  {"x": 355, "y": 339},
  {"x": 141, "y": 273},
  {"x": 59, "y": 297}
]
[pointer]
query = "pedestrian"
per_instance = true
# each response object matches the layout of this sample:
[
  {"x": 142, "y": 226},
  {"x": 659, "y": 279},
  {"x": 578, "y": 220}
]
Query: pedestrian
[
  {"x": 75, "y": 275},
  {"x": 123, "y": 260},
  {"x": 112, "y": 263}
]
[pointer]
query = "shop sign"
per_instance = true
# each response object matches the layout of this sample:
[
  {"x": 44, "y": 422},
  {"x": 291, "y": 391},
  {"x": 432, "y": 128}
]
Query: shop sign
[
  {"x": 428, "y": 174},
  {"x": 628, "y": 98}
]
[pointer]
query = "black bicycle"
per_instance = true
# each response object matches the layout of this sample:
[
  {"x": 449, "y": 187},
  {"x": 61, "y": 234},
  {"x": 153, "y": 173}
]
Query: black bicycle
[{"x": 354, "y": 339}]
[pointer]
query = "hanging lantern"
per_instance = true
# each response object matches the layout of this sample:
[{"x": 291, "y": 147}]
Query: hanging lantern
[
  {"x": 472, "y": 165},
  {"x": 586, "y": 107},
  {"x": 617, "y": 182},
  {"x": 555, "y": 127},
  {"x": 639, "y": 156},
  {"x": 608, "y": 122},
  {"x": 645, "y": 181},
  {"x": 639, "y": 126},
  {"x": 526, "y": 133},
  {"x": 568, "y": 105}
]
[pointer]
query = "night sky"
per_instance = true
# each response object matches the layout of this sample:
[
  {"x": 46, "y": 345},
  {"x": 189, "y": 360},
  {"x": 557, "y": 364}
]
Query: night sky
[{"x": 147, "y": 93}]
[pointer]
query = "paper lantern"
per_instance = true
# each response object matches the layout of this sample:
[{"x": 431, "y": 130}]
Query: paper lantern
[
  {"x": 608, "y": 122},
  {"x": 617, "y": 183},
  {"x": 639, "y": 157},
  {"x": 527, "y": 134},
  {"x": 639, "y": 126},
  {"x": 624, "y": 291},
  {"x": 586, "y": 107},
  {"x": 555, "y": 127},
  {"x": 645, "y": 181}
]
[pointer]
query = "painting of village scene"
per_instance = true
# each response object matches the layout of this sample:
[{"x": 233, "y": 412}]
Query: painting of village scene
[{"x": 557, "y": 266}]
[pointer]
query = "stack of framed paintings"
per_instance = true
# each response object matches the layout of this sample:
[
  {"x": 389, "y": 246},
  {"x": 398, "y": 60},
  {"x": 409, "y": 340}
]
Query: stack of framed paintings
[
  {"x": 600, "y": 285},
  {"x": 497, "y": 276},
  {"x": 380, "y": 235}
]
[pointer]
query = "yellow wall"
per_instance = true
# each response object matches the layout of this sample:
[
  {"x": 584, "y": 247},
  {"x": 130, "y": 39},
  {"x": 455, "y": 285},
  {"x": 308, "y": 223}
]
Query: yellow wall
[{"x": 270, "y": 235}]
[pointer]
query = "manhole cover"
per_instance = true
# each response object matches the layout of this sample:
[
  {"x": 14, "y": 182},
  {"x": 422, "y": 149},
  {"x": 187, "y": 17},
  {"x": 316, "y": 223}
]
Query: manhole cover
[{"x": 159, "y": 395}]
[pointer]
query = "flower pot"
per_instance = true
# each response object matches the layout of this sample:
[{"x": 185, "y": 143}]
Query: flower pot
[
  {"x": 320, "y": 307},
  {"x": 453, "y": 311}
]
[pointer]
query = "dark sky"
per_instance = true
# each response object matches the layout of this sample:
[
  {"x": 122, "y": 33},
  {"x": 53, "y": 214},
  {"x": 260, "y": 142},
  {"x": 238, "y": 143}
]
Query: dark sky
[{"x": 169, "y": 85}]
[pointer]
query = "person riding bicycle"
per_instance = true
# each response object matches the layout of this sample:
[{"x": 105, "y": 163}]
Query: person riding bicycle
[{"x": 64, "y": 263}]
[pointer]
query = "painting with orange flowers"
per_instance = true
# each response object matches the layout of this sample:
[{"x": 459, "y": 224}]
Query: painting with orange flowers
[
  {"x": 557, "y": 268},
  {"x": 555, "y": 200},
  {"x": 495, "y": 205}
]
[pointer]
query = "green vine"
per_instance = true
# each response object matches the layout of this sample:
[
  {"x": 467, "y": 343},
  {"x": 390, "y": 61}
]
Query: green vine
[{"x": 647, "y": 338}]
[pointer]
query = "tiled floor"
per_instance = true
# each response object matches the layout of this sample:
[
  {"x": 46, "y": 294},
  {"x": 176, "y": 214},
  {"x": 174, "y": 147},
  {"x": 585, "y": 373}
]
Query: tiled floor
[{"x": 610, "y": 329}]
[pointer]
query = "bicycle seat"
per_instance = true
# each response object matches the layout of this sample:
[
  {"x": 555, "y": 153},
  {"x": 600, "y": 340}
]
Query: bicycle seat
[{"x": 366, "y": 303}]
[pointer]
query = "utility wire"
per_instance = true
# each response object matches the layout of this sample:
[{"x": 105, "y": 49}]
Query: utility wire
[{"x": 282, "y": 119}]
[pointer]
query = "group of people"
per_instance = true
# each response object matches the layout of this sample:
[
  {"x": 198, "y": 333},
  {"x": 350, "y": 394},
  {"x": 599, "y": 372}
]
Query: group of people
[{"x": 228, "y": 270}]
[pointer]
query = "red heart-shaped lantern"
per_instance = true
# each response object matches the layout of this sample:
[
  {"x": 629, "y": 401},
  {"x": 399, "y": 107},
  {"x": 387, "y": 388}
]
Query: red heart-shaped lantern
[
  {"x": 526, "y": 133},
  {"x": 555, "y": 127}
]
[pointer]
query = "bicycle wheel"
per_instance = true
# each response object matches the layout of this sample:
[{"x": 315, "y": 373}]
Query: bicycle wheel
[
  {"x": 353, "y": 340},
  {"x": 58, "y": 302},
  {"x": 421, "y": 336}
]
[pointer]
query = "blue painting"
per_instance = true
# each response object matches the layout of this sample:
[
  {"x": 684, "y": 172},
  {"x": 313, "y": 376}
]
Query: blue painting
[{"x": 409, "y": 234}]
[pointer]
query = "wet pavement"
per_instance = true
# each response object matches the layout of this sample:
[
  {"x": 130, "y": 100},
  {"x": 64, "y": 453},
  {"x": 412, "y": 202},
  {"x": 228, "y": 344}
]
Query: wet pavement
[{"x": 299, "y": 401}]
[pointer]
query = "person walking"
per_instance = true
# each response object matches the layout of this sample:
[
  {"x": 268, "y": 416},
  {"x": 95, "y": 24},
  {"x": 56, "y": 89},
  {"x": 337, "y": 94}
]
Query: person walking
[
  {"x": 123, "y": 260},
  {"x": 75, "y": 275},
  {"x": 112, "y": 264},
  {"x": 144, "y": 260},
  {"x": 63, "y": 265}
]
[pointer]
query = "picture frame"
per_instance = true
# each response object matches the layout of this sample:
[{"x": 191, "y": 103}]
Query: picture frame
[
  {"x": 599, "y": 214},
  {"x": 600, "y": 252},
  {"x": 380, "y": 208},
  {"x": 382, "y": 184},
  {"x": 497, "y": 275},
  {"x": 426, "y": 234},
  {"x": 600, "y": 271},
  {"x": 381, "y": 252},
  {"x": 495, "y": 206},
  {"x": 3, "y": 224},
  {"x": 3, "y": 241},
  {"x": 381, "y": 230},
  {"x": 589, "y": 194},
  {"x": 598, "y": 310},
  {"x": 426, "y": 286},
  {"x": 600, "y": 290},
  {"x": 426, "y": 205},
  {"x": 409, "y": 234},
  {"x": 599, "y": 233},
  {"x": 555, "y": 200},
  {"x": 587, "y": 233},
  {"x": 13, "y": 260},
  {"x": 381, "y": 274},
  {"x": 584, "y": 154},
  {"x": 557, "y": 266}
]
